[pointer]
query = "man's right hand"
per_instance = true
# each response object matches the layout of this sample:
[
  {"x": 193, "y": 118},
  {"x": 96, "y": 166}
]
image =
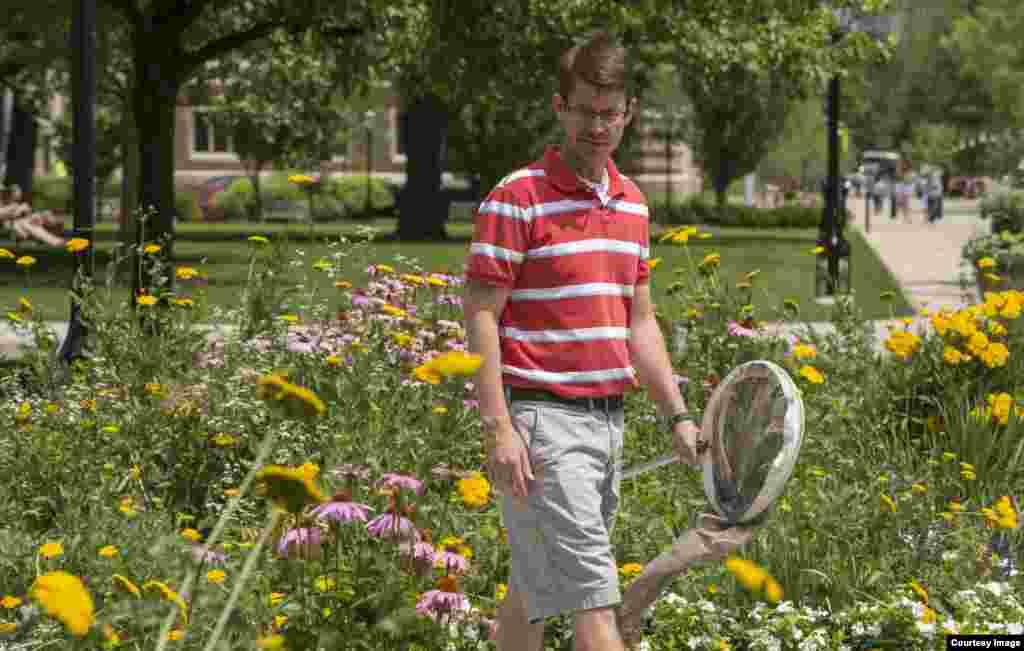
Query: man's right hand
[{"x": 508, "y": 460}]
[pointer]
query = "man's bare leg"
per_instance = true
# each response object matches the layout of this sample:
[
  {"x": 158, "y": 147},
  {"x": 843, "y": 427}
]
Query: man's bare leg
[
  {"x": 597, "y": 630},
  {"x": 515, "y": 632}
]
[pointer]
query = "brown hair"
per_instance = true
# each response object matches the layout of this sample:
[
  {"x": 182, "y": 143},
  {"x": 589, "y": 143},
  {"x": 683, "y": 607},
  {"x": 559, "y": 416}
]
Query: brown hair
[{"x": 599, "y": 61}]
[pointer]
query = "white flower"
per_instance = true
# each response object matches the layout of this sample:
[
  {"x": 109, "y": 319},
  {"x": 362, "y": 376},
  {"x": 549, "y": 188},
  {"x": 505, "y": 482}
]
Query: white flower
[
  {"x": 797, "y": 633},
  {"x": 645, "y": 645},
  {"x": 858, "y": 629},
  {"x": 785, "y": 607},
  {"x": 706, "y": 606},
  {"x": 815, "y": 641},
  {"x": 949, "y": 557},
  {"x": 874, "y": 629},
  {"x": 927, "y": 630},
  {"x": 951, "y": 626},
  {"x": 998, "y": 589}
]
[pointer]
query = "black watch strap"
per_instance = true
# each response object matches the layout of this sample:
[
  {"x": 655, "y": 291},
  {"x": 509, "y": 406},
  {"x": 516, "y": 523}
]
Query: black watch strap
[{"x": 680, "y": 417}]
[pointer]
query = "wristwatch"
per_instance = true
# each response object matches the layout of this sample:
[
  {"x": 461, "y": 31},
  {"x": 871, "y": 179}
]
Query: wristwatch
[{"x": 680, "y": 417}]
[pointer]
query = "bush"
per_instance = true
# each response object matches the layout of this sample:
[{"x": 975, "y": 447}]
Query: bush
[
  {"x": 186, "y": 203},
  {"x": 1006, "y": 210},
  {"x": 351, "y": 192},
  {"x": 52, "y": 193},
  {"x": 700, "y": 209}
]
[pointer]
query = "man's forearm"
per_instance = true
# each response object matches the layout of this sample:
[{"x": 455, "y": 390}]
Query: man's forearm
[
  {"x": 482, "y": 333},
  {"x": 654, "y": 367}
]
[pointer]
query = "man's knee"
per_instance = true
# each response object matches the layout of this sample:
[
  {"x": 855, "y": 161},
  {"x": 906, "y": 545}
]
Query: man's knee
[{"x": 597, "y": 630}]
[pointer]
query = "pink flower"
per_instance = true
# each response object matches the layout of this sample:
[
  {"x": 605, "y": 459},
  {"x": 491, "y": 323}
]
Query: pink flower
[
  {"x": 445, "y": 602},
  {"x": 402, "y": 481},
  {"x": 303, "y": 542},
  {"x": 736, "y": 330},
  {"x": 339, "y": 511},
  {"x": 451, "y": 562},
  {"x": 203, "y": 554},
  {"x": 390, "y": 526}
]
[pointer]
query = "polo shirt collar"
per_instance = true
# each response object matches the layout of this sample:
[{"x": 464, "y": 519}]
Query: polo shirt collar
[{"x": 565, "y": 179}]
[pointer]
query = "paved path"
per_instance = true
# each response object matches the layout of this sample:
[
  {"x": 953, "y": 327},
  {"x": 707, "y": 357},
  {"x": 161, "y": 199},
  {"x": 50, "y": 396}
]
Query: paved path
[{"x": 925, "y": 260}]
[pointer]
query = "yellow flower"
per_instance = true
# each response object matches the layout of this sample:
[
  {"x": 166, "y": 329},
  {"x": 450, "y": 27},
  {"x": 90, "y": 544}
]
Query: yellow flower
[
  {"x": 276, "y": 598},
  {"x": 995, "y": 355},
  {"x": 25, "y": 261},
  {"x": 224, "y": 440},
  {"x": 191, "y": 534},
  {"x": 412, "y": 279},
  {"x": 7, "y": 627},
  {"x": 440, "y": 410},
  {"x": 928, "y": 616},
  {"x": 754, "y": 578},
  {"x": 185, "y": 273},
  {"x": 184, "y": 302},
  {"x": 630, "y": 570},
  {"x": 289, "y": 318},
  {"x": 1007, "y": 517},
  {"x": 920, "y": 591},
  {"x": 288, "y": 489},
  {"x": 124, "y": 584},
  {"x": 475, "y": 491},
  {"x": 76, "y": 245},
  {"x": 968, "y": 475},
  {"x": 10, "y": 602},
  {"x": 216, "y": 576},
  {"x": 391, "y": 310},
  {"x": 996, "y": 329},
  {"x": 5, "y": 254},
  {"x": 51, "y": 550},
  {"x": 804, "y": 351},
  {"x": 271, "y": 643},
  {"x": 385, "y": 269},
  {"x": 903, "y": 344},
  {"x": 342, "y": 284},
  {"x": 175, "y": 635},
  {"x": 812, "y": 375},
  {"x": 887, "y": 503},
  {"x": 163, "y": 591},
  {"x": 446, "y": 365},
  {"x": 712, "y": 589},
  {"x": 294, "y": 399},
  {"x": 107, "y": 551},
  {"x": 948, "y": 456},
  {"x": 434, "y": 281},
  {"x": 232, "y": 492},
  {"x": 151, "y": 248},
  {"x": 301, "y": 179},
  {"x": 711, "y": 260},
  {"x": 952, "y": 356},
  {"x": 63, "y": 596},
  {"x": 818, "y": 250},
  {"x": 725, "y": 646},
  {"x": 653, "y": 262},
  {"x": 24, "y": 305},
  {"x": 147, "y": 300},
  {"x": 986, "y": 263},
  {"x": 258, "y": 239}
]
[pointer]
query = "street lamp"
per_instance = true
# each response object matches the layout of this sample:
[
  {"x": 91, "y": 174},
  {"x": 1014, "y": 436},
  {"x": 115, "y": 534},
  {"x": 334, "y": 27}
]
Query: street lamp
[{"x": 833, "y": 271}]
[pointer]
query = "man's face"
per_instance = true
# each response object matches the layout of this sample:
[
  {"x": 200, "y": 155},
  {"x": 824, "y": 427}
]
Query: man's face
[{"x": 593, "y": 120}]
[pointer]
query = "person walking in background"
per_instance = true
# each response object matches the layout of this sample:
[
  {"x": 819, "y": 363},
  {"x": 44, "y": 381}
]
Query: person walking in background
[
  {"x": 902, "y": 191},
  {"x": 934, "y": 193},
  {"x": 879, "y": 190}
]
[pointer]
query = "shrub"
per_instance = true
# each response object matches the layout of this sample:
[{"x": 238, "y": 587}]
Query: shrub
[
  {"x": 52, "y": 193},
  {"x": 700, "y": 209},
  {"x": 351, "y": 192},
  {"x": 1006, "y": 210},
  {"x": 186, "y": 203}
]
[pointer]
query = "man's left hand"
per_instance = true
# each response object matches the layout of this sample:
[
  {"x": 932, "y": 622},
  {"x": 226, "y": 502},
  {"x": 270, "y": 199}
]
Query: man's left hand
[{"x": 685, "y": 436}]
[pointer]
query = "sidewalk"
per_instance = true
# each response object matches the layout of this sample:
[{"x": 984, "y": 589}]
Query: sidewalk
[{"x": 924, "y": 259}]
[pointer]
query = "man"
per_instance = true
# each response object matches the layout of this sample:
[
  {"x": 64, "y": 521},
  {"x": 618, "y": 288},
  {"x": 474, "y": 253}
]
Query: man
[{"x": 559, "y": 307}]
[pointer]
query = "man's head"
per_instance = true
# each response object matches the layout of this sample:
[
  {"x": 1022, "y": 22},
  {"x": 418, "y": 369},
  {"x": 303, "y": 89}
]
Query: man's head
[{"x": 593, "y": 103}]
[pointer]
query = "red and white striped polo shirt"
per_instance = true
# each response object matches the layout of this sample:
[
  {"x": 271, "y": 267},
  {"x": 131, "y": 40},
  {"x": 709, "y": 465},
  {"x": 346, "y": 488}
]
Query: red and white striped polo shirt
[{"x": 572, "y": 264}]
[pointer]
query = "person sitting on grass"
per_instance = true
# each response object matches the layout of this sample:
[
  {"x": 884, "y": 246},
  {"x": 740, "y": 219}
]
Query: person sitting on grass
[{"x": 27, "y": 224}]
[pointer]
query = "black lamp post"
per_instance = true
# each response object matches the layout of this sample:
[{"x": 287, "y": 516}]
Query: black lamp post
[
  {"x": 833, "y": 269},
  {"x": 83, "y": 98}
]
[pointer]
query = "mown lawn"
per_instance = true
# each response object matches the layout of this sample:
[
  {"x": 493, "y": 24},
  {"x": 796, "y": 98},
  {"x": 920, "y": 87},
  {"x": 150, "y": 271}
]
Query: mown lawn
[{"x": 222, "y": 252}]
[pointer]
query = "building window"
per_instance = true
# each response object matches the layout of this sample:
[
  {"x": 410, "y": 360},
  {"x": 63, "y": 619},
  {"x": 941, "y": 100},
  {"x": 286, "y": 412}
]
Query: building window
[{"x": 207, "y": 138}]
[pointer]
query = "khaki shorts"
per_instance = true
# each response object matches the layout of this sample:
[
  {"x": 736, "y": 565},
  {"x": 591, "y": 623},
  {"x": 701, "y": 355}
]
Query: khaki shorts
[{"x": 562, "y": 559}]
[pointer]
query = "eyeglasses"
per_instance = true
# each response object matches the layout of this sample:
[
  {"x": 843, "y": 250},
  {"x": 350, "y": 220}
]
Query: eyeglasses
[{"x": 607, "y": 118}]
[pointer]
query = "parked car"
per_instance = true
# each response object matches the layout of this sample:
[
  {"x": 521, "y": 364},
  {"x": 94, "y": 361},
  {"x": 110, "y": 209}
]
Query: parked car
[{"x": 210, "y": 188}]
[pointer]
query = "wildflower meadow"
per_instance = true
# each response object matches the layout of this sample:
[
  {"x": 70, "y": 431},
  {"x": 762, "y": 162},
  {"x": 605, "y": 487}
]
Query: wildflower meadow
[{"x": 309, "y": 474}]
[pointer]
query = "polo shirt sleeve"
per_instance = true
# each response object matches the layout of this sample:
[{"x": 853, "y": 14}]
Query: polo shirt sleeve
[
  {"x": 643, "y": 271},
  {"x": 501, "y": 238}
]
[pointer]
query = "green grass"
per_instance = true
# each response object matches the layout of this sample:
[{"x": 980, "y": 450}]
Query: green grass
[{"x": 221, "y": 251}]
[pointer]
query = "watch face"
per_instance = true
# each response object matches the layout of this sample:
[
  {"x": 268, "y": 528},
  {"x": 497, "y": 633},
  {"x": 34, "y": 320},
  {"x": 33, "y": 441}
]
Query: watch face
[{"x": 753, "y": 426}]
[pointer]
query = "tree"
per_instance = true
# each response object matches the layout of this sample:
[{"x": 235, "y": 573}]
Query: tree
[
  {"x": 283, "y": 110},
  {"x": 170, "y": 42}
]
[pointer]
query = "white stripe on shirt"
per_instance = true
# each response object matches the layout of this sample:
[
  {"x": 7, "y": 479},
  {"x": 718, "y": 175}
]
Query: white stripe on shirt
[
  {"x": 560, "y": 336},
  {"x": 571, "y": 291},
  {"x": 571, "y": 377},
  {"x": 496, "y": 252},
  {"x": 586, "y": 246}
]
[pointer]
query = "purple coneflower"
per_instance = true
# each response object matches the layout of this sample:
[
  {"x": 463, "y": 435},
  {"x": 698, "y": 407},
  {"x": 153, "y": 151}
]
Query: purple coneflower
[
  {"x": 450, "y": 561},
  {"x": 391, "y": 525},
  {"x": 341, "y": 509},
  {"x": 207, "y": 556},
  {"x": 444, "y": 602},
  {"x": 736, "y": 330},
  {"x": 303, "y": 542},
  {"x": 394, "y": 480}
]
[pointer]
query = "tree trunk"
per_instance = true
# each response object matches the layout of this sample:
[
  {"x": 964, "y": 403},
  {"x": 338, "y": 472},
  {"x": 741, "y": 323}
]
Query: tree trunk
[
  {"x": 129, "y": 177},
  {"x": 155, "y": 99},
  {"x": 422, "y": 208}
]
